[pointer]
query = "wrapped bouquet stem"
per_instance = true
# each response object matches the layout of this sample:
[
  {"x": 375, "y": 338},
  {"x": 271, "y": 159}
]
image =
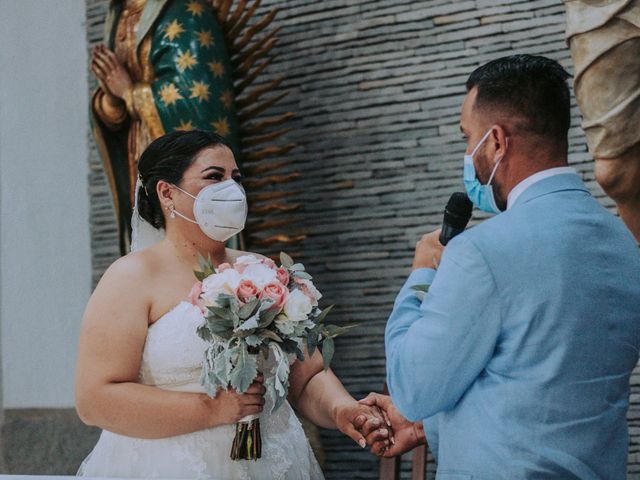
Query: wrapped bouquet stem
[
  {"x": 256, "y": 316},
  {"x": 247, "y": 444}
]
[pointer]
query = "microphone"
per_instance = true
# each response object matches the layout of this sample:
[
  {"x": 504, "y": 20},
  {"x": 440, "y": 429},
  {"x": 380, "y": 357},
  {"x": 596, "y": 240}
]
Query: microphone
[{"x": 456, "y": 216}]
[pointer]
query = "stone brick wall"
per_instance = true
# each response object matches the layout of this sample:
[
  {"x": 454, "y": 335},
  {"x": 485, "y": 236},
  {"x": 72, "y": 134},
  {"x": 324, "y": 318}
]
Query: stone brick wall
[{"x": 377, "y": 86}]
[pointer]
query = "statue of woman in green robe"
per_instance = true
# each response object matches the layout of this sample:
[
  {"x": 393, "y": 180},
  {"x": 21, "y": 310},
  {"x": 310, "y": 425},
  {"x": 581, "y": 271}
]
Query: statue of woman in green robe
[{"x": 164, "y": 66}]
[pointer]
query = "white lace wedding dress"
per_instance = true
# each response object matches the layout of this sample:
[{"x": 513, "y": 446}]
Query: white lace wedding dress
[{"x": 172, "y": 360}]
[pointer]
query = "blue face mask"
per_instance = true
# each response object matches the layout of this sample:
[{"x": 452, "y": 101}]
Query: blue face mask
[{"x": 481, "y": 195}]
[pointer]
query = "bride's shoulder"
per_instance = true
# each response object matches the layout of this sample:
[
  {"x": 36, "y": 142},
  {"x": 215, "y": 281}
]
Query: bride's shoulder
[{"x": 134, "y": 268}]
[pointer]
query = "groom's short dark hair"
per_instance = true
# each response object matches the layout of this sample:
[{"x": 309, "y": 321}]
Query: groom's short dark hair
[{"x": 531, "y": 87}]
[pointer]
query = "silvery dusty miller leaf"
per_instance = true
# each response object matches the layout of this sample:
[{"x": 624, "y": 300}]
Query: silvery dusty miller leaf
[{"x": 245, "y": 370}]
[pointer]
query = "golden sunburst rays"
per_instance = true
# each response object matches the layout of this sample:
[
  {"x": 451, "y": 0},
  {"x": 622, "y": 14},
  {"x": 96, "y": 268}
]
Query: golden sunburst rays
[
  {"x": 250, "y": 43},
  {"x": 200, "y": 90},
  {"x": 221, "y": 127},
  {"x": 169, "y": 94},
  {"x": 173, "y": 30},
  {"x": 205, "y": 38},
  {"x": 186, "y": 60},
  {"x": 195, "y": 8},
  {"x": 185, "y": 126}
]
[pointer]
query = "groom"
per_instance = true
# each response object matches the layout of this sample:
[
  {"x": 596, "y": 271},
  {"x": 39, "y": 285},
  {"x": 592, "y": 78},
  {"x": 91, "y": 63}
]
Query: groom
[{"x": 517, "y": 361}]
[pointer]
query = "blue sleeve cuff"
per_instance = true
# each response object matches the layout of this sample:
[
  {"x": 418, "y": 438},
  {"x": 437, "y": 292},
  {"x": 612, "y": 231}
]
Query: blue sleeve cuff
[
  {"x": 431, "y": 432},
  {"x": 421, "y": 276}
]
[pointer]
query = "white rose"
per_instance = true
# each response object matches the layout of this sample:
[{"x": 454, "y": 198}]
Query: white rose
[
  {"x": 247, "y": 260},
  {"x": 298, "y": 306},
  {"x": 225, "y": 282},
  {"x": 309, "y": 289},
  {"x": 259, "y": 274}
]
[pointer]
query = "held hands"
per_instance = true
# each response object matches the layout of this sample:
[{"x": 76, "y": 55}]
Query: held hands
[
  {"x": 406, "y": 435},
  {"x": 350, "y": 417},
  {"x": 111, "y": 74},
  {"x": 428, "y": 251}
]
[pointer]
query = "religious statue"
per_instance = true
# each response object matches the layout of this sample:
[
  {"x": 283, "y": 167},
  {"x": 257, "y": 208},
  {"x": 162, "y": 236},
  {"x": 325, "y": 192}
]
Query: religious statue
[
  {"x": 604, "y": 37},
  {"x": 182, "y": 64}
]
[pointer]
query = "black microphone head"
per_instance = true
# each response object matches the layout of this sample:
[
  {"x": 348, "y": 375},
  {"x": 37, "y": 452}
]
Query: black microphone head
[
  {"x": 458, "y": 210},
  {"x": 457, "y": 214}
]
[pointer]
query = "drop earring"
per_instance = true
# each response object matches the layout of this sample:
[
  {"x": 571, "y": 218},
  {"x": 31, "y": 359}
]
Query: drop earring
[{"x": 172, "y": 209}]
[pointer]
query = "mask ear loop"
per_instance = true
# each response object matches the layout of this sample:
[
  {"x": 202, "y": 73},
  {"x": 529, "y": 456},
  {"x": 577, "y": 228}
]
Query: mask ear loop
[
  {"x": 183, "y": 191},
  {"x": 481, "y": 142},
  {"x": 175, "y": 212},
  {"x": 495, "y": 169}
]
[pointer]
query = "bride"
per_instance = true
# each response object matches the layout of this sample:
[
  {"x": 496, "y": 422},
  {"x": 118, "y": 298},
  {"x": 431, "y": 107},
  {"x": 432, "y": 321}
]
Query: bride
[{"x": 139, "y": 358}]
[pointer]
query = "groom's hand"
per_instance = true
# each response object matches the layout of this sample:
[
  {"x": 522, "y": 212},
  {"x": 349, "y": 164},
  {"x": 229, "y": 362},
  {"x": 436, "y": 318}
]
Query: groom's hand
[
  {"x": 351, "y": 416},
  {"x": 406, "y": 435},
  {"x": 428, "y": 251}
]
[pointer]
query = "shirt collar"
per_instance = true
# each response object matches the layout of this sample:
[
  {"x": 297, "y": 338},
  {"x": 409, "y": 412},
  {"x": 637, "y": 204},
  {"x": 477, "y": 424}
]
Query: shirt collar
[{"x": 536, "y": 177}]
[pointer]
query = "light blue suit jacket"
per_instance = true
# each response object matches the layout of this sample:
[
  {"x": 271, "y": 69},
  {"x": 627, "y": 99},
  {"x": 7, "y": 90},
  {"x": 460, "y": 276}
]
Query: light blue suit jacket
[{"x": 520, "y": 355}]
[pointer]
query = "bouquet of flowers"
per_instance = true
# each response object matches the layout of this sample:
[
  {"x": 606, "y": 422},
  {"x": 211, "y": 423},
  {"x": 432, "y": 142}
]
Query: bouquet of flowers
[{"x": 258, "y": 317}]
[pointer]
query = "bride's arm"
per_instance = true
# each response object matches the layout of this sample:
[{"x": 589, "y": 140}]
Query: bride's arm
[
  {"x": 112, "y": 339},
  {"x": 320, "y": 397}
]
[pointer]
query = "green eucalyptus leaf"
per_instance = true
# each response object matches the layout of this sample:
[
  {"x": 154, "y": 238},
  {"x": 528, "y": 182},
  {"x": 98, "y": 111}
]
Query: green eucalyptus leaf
[
  {"x": 323, "y": 314},
  {"x": 286, "y": 260},
  {"x": 328, "y": 349},
  {"x": 221, "y": 312},
  {"x": 250, "y": 309},
  {"x": 312, "y": 341},
  {"x": 267, "y": 317},
  {"x": 298, "y": 267},
  {"x": 271, "y": 335},
  {"x": 333, "y": 330},
  {"x": 303, "y": 275},
  {"x": 420, "y": 288}
]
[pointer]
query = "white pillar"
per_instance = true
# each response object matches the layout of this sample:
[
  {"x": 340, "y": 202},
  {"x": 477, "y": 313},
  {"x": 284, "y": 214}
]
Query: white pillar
[{"x": 45, "y": 258}]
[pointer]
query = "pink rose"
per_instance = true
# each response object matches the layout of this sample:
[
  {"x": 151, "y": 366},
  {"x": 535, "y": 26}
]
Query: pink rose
[
  {"x": 247, "y": 291},
  {"x": 277, "y": 292},
  {"x": 194, "y": 296},
  {"x": 283, "y": 276},
  {"x": 269, "y": 263},
  {"x": 222, "y": 267}
]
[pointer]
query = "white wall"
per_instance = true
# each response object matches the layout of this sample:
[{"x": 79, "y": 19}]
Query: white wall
[{"x": 45, "y": 263}]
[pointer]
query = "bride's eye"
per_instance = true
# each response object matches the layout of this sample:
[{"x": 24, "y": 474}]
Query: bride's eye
[{"x": 215, "y": 176}]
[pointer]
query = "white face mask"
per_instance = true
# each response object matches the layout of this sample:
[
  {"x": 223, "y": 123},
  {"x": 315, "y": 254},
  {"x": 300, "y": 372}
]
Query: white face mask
[{"x": 220, "y": 210}]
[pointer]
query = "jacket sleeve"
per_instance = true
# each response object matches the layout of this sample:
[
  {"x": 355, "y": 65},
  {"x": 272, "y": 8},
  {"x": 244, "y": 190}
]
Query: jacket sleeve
[{"x": 436, "y": 348}]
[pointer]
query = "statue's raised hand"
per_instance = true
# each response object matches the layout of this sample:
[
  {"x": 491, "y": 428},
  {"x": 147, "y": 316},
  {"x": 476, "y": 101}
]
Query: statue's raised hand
[{"x": 111, "y": 74}]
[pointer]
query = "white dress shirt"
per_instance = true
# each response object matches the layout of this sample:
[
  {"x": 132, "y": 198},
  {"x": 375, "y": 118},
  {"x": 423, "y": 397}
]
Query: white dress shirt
[{"x": 536, "y": 177}]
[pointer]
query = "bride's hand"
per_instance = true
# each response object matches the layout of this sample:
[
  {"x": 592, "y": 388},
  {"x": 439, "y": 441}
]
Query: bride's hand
[
  {"x": 229, "y": 406},
  {"x": 350, "y": 417}
]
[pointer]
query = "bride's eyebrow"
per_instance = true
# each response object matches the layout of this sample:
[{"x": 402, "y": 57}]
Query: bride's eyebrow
[{"x": 219, "y": 169}]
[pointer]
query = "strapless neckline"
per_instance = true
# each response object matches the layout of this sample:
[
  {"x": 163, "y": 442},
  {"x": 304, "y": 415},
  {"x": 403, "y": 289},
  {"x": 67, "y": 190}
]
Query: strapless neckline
[{"x": 172, "y": 310}]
